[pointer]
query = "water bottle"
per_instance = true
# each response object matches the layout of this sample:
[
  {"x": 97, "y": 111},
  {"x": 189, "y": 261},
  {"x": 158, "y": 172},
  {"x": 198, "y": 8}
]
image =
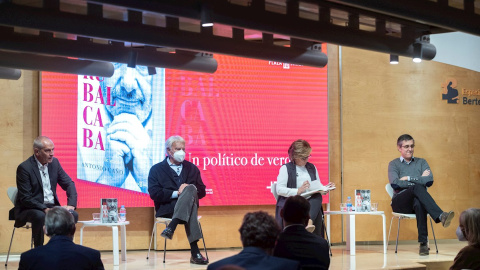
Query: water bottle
[
  {"x": 122, "y": 214},
  {"x": 349, "y": 204}
]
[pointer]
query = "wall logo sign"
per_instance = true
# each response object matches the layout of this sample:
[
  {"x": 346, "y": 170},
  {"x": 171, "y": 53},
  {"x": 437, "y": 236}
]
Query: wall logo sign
[{"x": 450, "y": 93}]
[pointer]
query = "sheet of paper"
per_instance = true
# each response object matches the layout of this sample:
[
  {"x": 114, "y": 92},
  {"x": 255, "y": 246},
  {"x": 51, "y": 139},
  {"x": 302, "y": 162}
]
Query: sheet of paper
[{"x": 316, "y": 186}]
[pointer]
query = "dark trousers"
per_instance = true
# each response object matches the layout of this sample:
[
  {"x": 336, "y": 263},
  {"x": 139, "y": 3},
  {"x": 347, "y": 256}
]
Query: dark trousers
[
  {"x": 316, "y": 214},
  {"x": 37, "y": 218},
  {"x": 186, "y": 210},
  {"x": 416, "y": 200}
]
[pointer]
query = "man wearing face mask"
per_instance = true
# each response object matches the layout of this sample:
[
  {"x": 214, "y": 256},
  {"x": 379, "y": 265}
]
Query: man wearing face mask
[{"x": 175, "y": 185}]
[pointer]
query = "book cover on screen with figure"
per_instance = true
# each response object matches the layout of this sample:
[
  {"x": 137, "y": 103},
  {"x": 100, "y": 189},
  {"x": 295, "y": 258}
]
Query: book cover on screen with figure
[{"x": 120, "y": 127}]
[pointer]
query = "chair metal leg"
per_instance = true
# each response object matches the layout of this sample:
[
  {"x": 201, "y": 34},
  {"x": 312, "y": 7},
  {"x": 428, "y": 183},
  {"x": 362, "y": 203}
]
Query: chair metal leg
[
  {"x": 203, "y": 239},
  {"x": 154, "y": 230},
  {"x": 326, "y": 234},
  {"x": 389, "y": 231},
  {"x": 433, "y": 232},
  {"x": 11, "y": 240},
  {"x": 165, "y": 249},
  {"x": 398, "y": 233}
]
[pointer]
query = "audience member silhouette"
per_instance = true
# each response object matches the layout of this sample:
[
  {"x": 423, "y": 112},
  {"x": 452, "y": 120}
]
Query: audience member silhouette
[
  {"x": 469, "y": 230},
  {"x": 295, "y": 242},
  {"x": 258, "y": 232}
]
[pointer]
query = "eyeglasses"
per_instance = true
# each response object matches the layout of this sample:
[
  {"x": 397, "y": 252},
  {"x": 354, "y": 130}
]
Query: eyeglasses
[
  {"x": 408, "y": 146},
  {"x": 305, "y": 158}
]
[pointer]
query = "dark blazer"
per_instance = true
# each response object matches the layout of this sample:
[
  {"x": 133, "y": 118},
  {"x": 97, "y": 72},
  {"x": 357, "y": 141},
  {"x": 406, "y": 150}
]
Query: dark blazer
[
  {"x": 30, "y": 187},
  {"x": 297, "y": 244},
  {"x": 253, "y": 258},
  {"x": 61, "y": 253},
  {"x": 161, "y": 185}
]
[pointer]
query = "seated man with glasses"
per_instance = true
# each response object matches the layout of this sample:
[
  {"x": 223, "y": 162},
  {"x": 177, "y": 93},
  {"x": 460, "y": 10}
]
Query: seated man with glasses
[{"x": 409, "y": 177}]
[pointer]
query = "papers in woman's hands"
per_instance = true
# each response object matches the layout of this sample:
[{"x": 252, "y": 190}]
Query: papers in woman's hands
[{"x": 315, "y": 187}]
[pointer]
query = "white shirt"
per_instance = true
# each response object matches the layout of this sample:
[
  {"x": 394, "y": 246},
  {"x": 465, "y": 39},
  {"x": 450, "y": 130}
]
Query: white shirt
[
  {"x": 47, "y": 188},
  {"x": 178, "y": 170},
  {"x": 175, "y": 167},
  {"x": 302, "y": 176}
]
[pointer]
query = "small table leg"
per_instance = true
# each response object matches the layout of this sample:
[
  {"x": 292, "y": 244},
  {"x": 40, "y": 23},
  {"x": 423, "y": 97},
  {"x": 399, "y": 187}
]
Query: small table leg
[
  {"x": 124, "y": 242},
  {"x": 115, "y": 245},
  {"x": 351, "y": 234},
  {"x": 384, "y": 235},
  {"x": 81, "y": 235}
]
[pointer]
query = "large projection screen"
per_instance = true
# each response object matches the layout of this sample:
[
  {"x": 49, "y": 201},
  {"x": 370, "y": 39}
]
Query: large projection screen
[{"x": 238, "y": 124}]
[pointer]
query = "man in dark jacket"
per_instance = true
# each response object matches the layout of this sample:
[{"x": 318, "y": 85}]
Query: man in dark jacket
[
  {"x": 37, "y": 179},
  {"x": 60, "y": 252},
  {"x": 295, "y": 242},
  {"x": 258, "y": 232},
  {"x": 175, "y": 185}
]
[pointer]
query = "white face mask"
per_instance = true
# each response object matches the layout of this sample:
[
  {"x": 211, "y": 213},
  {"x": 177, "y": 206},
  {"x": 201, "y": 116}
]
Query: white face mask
[
  {"x": 179, "y": 156},
  {"x": 460, "y": 235}
]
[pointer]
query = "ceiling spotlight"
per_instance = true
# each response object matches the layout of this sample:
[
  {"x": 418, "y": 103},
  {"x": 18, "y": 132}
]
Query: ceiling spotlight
[
  {"x": 393, "y": 59},
  {"x": 151, "y": 70},
  {"x": 417, "y": 52},
  {"x": 10, "y": 73},
  {"x": 132, "y": 59},
  {"x": 206, "y": 17},
  {"x": 14, "y": 60}
]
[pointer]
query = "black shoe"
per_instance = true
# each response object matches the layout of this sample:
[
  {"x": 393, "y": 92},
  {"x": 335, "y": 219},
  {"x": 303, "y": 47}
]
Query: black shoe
[
  {"x": 423, "y": 249},
  {"x": 198, "y": 259},
  {"x": 446, "y": 218},
  {"x": 167, "y": 233}
]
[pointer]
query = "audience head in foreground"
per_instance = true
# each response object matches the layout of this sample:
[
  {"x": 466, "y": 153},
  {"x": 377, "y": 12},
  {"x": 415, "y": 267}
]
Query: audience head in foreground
[
  {"x": 258, "y": 233},
  {"x": 296, "y": 211},
  {"x": 60, "y": 252},
  {"x": 469, "y": 230},
  {"x": 58, "y": 222},
  {"x": 259, "y": 230},
  {"x": 295, "y": 242}
]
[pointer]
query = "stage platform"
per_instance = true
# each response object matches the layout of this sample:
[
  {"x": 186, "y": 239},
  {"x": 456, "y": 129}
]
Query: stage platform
[{"x": 367, "y": 257}]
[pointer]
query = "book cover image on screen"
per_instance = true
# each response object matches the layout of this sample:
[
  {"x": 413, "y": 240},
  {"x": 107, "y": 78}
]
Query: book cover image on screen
[
  {"x": 117, "y": 127},
  {"x": 237, "y": 124}
]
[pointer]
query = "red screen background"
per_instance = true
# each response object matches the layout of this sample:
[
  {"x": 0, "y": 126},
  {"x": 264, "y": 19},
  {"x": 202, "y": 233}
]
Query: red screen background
[{"x": 248, "y": 108}]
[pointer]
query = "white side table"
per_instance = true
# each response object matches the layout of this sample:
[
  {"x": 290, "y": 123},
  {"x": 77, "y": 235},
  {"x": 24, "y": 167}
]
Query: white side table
[
  {"x": 351, "y": 227},
  {"x": 114, "y": 226}
]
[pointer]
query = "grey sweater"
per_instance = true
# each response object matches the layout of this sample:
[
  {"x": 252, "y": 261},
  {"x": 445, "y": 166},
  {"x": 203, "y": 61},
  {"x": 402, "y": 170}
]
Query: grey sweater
[{"x": 398, "y": 169}]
